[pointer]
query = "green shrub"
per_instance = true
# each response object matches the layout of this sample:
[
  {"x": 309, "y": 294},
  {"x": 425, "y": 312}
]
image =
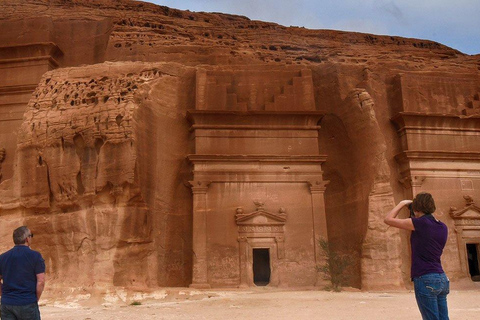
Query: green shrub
[{"x": 336, "y": 266}]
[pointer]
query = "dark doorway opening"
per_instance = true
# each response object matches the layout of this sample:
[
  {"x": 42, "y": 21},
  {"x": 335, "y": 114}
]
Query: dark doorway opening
[
  {"x": 473, "y": 263},
  {"x": 261, "y": 267}
]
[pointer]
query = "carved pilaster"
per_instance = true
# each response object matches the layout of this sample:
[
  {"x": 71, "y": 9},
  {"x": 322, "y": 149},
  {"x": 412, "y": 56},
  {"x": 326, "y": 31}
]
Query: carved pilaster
[
  {"x": 2, "y": 158},
  {"x": 200, "y": 271},
  {"x": 317, "y": 189},
  {"x": 243, "y": 261},
  {"x": 412, "y": 183},
  {"x": 199, "y": 187},
  {"x": 318, "y": 186},
  {"x": 280, "y": 247}
]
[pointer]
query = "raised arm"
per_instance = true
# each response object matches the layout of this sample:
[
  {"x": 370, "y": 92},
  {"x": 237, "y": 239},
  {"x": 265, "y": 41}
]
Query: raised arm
[{"x": 392, "y": 220}]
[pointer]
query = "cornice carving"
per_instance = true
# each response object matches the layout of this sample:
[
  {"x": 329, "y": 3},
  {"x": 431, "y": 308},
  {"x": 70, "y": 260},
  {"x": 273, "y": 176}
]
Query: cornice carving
[
  {"x": 198, "y": 158},
  {"x": 438, "y": 155},
  {"x": 31, "y": 52},
  {"x": 3, "y": 153},
  {"x": 405, "y": 121}
]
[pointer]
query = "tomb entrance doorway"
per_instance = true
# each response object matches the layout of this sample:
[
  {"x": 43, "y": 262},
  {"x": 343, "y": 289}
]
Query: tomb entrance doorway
[
  {"x": 261, "y": 266},
  {"x": 473, "y": 262},
  {"x": 467, "y": 228},
  {"x": 261, "y": 238}
]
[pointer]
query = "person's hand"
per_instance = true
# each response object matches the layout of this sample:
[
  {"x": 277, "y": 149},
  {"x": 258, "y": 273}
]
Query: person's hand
[{"x": 406, "y": 202}]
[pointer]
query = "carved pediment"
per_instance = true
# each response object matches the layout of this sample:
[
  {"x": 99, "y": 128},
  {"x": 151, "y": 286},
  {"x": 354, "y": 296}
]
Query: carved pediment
[
  {"x": 261, "y": 217},
  {"x": 470, "y": 211}
]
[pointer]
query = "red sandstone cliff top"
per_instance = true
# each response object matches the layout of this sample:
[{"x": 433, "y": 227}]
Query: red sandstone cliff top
[{"x": 139, "y": 31}]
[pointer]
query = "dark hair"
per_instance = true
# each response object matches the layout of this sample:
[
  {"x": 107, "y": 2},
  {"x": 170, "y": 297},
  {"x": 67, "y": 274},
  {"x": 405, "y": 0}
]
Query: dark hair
[
  {"x": 20, "y": 235},
  {"x": 424, "y": 202}
]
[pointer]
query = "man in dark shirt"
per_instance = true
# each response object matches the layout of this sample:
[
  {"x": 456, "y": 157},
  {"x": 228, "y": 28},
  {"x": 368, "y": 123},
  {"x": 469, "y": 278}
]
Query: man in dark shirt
[{"x": 22, "y": 273}]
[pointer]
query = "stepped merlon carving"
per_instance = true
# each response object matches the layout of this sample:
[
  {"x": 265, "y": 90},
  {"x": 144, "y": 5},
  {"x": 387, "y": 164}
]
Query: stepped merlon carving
[{"x": 255, "y": 90}]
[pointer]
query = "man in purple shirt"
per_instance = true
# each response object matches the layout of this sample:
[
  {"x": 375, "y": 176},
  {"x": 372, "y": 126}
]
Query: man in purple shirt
[
  {"x": 427, "y": 241},
  {"x": 22, "y": 277}
]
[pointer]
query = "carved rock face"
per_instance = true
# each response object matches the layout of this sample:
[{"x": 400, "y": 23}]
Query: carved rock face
[
  {"x": 97, "y": 150},
  {"x": 82, "y": 166}
]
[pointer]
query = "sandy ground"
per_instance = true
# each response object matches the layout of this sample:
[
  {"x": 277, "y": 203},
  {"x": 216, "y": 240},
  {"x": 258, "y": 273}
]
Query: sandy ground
[{"x": 260, "y": 303}]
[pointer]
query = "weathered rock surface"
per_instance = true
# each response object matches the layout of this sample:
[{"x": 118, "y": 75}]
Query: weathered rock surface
[
  {"x": 94, "y": 98},
  {"x": 83, "y": 177}
]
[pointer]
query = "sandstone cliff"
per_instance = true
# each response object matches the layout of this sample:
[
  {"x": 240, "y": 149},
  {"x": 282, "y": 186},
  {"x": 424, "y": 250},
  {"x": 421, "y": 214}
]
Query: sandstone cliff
[{"x": 98, "y": 165}]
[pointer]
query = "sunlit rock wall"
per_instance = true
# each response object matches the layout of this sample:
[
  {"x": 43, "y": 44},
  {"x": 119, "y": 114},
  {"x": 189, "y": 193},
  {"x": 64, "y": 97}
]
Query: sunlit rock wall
[
  {"x": 99, "y": 176},
  {"x": 95, "y": 159}
]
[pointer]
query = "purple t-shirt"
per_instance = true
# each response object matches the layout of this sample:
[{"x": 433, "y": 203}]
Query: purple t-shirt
[{"x": 427, "y": 242}]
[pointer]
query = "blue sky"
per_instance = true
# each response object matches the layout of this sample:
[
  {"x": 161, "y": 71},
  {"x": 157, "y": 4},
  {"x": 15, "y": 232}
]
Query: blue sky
[{"x": 455, "y": 23}]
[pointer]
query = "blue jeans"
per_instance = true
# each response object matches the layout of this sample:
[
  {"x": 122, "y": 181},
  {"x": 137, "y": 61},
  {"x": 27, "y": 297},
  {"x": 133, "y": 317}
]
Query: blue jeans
[
  {"x": 26, "y": 312},
  {"x": 431, "y": 293}
]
